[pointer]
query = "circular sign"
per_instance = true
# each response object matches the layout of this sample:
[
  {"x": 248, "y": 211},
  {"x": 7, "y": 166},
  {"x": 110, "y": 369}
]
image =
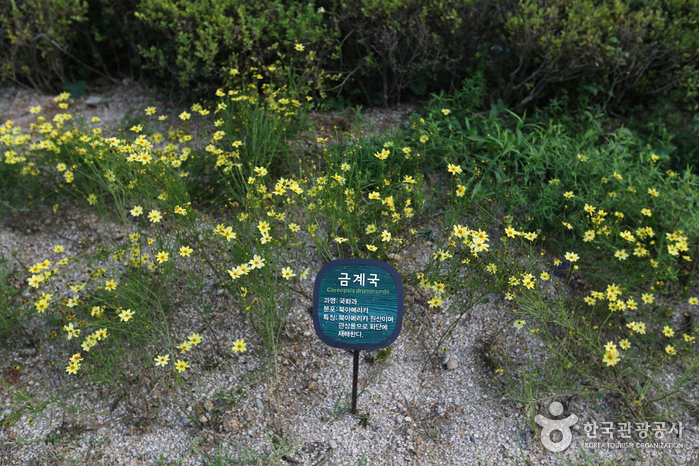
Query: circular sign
[{"x": 358, "y": 304}]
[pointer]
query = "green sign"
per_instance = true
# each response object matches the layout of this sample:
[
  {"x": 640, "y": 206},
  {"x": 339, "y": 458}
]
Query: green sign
[{"x": 358, "y": 304}]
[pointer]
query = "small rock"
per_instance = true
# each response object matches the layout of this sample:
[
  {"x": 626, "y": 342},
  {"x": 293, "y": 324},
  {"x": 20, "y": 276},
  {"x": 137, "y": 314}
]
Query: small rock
[
  {"x": 209, "y": 405},
  {"x": 231, "y": 425},
  {"x": 450, "y": 362},
  {"x": 203, "y": 419},
  {"x": 395, "y": 257},
  {"x": 93, "y": 100},
  {"x": 186, "y": 422},
  {"x": 408, "y": 419},
  {"x": 332, "y": 444},
  {"x": 258, "y": 403},
  {"x": 219, "y": 292}
]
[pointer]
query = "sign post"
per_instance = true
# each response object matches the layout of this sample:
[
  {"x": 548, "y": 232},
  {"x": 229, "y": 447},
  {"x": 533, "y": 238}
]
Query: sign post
[{"x": 357, "y": 305}]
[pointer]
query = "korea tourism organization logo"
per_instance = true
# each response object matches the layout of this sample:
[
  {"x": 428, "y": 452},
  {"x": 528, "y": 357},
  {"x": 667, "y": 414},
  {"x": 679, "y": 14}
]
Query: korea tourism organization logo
[
  {"x": 660, "y": 435},
  {"x": 550, "y": 426}
]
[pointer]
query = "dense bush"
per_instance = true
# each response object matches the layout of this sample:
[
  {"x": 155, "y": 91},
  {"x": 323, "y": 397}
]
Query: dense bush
[
  {"x": 600, "y": 52},
  {"x": 603, "y": 51}
]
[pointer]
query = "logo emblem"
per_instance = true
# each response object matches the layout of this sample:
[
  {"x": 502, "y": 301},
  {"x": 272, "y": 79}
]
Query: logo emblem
[{"x": 549, "y": 426}]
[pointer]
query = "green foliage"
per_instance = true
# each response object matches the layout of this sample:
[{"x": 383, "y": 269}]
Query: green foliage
[
  {"x": 33, "y": 37},
  {"x": 10, "y": 306},
  {"x": 601, "y": 51},
  {"x": 202, "y": 44},
  {"x": 417, "y": 45}
]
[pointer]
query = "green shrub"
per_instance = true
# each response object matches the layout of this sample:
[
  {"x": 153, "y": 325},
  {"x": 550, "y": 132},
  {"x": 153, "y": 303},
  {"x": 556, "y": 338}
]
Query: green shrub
[
  {"x": 33, "y": 38},
  {"x": 601, "y": 51},
  {"x": 412, "y": 45},
  {"x": 202, "y": 44}
]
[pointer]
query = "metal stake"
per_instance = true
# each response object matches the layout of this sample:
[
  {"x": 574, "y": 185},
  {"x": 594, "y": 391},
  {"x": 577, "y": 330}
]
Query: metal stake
[{"x": 355, "y": 375}]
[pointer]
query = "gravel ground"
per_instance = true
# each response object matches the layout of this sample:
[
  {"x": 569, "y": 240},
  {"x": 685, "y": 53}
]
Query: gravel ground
[{"x": 412, "y": 410}]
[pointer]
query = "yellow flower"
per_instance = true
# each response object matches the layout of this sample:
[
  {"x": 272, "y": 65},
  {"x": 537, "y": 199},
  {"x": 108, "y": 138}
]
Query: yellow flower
[
  {"x": 58, "y": 248},
  {"x": 668, "y": 332},
  {"x": 571, "y": 256},
  {"x": 621, "y": 255},
  {"x": 669, "y": 349},
  {"x": 610, "y": 358},
  {"x": 646, "y": 212},
  {"x": 627, "y": 236},
  {"x": 298, "y": 47},
  {"x": 239, "y": 345},
  {"x": 385, "y": 236},
  {"x": 653, "y": 192},
  {"x": 181, "y": 365},
  {"x": 162, "y": 256},
  {"x": 73, "y": 368},
  {"x": 688, "y": 338},
  {"x": 568, "y": 194},
  {"x": 460, "y": 190},
  {"x": 185, "y": 346},
  {"x": 126, "y": 315},
  {"x": 185, "y": 251},
  {"x": 341, "y": 240},
  {"x": 454, "y": 169},
  {"x": 519, "y": 323},
  {"x": 150, "y": 110},
  {"x": 154, "y": 216},
  {"x": 184, "y": 116},
  {"x": 72, "y": 332},
  {"x": 256, "y": 262},
  {"x": 371, "y": 247},
  {"x": 287, "y": 273},
  {"x": 610, "y": 347},
  {"x": 647, "y": 298},
  {"x": 162, "y": 360},
  {"x": 545, "y": 276},
  {"x": 382, "y": 155},
  {"x": 694, "y": 301},
  {"x": 136, "y": 211},
  {"x": 374, "y": 195},
  {"x": 435, "y": 301},
  {"x": 624, "y": 344},
  {"x": 110, "y": 285},
  {"x": 260, "y": 171},
  {"x": 263, "y": 227}
]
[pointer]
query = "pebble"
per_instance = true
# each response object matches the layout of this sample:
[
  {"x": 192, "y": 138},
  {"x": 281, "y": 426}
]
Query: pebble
[
  {"x": 332, "y": 444},
  {"x": 450, "y": 362},
  {"x": 93, "y": 100},
  {"x": 258, "y": 403}
]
